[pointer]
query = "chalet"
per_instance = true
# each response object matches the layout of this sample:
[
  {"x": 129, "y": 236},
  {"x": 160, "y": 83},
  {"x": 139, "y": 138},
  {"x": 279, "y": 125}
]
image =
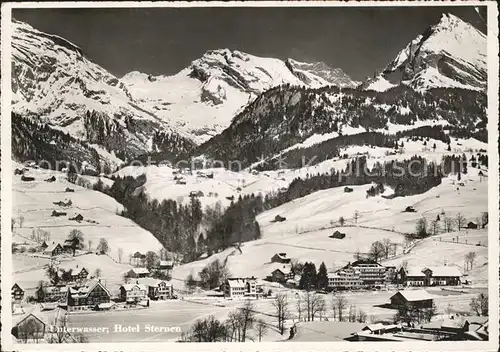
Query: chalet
[
  {"x": 157, "y": 289},
  {"x": 28, "y": 328},
  {"x": 70, "y": 245},
  {"x": 53, "y": 250},
  {"x": 136, "y": 273},
  {"x": 282, "y": 274},
  {"x": 166, "y": 265},
  {"x": 58, "y": 213},
  {"x": 231, "y": 198},
  {"x": 78, "y": 218},
  {"x": 139, "y": 258},
  {"x": 43, "y": 246},
  {"x": 240, "y": 288},
  {"x": 79, "y": 273},
  {"x": 379, "y": 328},
  {"x": 280, "y": 258},
  {"x": 133, "y": 293},
  {"x": 51, "y": 179},
  {"x": 472, "y": 225},
  {"x": 27, "y": 178},
  {"x": 87, "y": 297},
  {"x": 414, "y": 298},
  {"x": 410, "y": 210},
  {"x": 17, "y": 293},
  {"x": 345, "y": 279},
  {"x": 431, "y": 276},
  {"x": 348, "y": 189},
  {"x": 196, "y": 194},
  {"x": 279, "y": 218},
  {"x": 337, "y": 234},
  {"x": 18, "y": 172},
  {"x": 69, "y": 189}
]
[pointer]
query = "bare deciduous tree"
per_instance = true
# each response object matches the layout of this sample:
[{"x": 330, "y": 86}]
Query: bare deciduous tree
[
  {"x": 460, "y": 219},
  {"x": 280, "y": 304},
  {"x": 448, "y": 224},
  {"x": 341, "y": 304},
  {"x": 387, "y": 244},
  {"x": 435, "y": 227},
  {"x": 261, "y": 329}
]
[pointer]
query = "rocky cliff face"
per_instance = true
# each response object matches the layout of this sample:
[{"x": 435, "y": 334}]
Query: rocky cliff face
[
  {"x": 54, "y": 83},
  {"x": 450, "y": 54},
  {"x": 203, "y": 98}
]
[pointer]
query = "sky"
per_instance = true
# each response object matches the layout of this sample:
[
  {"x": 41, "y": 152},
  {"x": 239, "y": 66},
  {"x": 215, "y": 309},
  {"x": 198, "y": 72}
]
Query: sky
[{"x": 165, "y": 40}]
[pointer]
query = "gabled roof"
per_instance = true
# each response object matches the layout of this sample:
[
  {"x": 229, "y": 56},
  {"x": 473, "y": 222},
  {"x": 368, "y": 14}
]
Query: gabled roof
[
  {"x": 166, "y": 263},
  {"x": 140, "y": 270},
  {"x": 129, "y": 287},
  {"x": 51, "y": 247},
  {"x": 414, "y": 295},
  {"x": 18, "y": 319},
  {"x": 414, "y": 272},
  {"x": 16, "y": 286},
  {"x": 236, "y": 282},
  {"x": 451, "y": 271}
]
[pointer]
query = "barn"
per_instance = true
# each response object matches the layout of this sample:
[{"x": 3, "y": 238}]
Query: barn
[{"x": 413, "y": 298}]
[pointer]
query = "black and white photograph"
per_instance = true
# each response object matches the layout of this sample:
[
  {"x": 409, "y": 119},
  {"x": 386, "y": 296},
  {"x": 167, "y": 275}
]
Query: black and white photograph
[{"x": 249, "y": 174}]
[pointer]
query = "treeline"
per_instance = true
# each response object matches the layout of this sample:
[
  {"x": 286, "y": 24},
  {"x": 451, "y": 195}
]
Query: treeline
[
  {"x": 36, "y": 141},
  {"x": 179, "y": 227},
  {"x": 287, "y": 115}
]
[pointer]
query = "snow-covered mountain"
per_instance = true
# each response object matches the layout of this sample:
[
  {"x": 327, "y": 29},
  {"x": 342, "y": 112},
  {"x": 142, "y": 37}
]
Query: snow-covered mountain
[
  {"x": 55, "y": 84},
  {"x": 203, "y": 98},
  {"x": 450, "y": 54}
]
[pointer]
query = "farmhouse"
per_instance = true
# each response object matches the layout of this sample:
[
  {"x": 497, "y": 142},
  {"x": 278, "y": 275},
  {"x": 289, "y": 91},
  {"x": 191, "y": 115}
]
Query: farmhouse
[
  {"x": 348, "y": 189},
  {"x": 139, "y": 258},
  {"x": 87, "y": 297},
  {"x": 414, "y": 299},
  {"x": 471, "y": 225},
  {"x": 79, "y": 273},
  {"x": 137, "y": 273},
  {"x": 43, "y": 246},
  {"x": 410, "y": 209},
  {"x": 157, "y": 289},
  {"x": 379, "y": 328},
  {"x": 431, "y": 276},
  {"x": 166, "y": 265},
  {"x": 17, "y": 293},
  {"x": 240, "y": 288},
  {"x": 337, "y": 234},
  {"x": 345, "y": 279},
  {"x": 280, "y": 258},
  {"x": 70, "y": 245},
  {"x": 282, "y": 274},
  {"x": 133, "y": 293},
  {"x": 279, "y": 218},
  {"x": 28, "y": 328},
  {"x": 53, "y": 250}
]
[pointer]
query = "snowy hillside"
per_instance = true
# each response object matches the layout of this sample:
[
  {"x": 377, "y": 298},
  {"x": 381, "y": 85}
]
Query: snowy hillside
[
  {"x": 54, "y": 83},
  {"x": 34, "y": 201},
  {"x": 203, "y": 98},
  {"x": 449, "y": 54},
  {"x": 311, "y": 219}
]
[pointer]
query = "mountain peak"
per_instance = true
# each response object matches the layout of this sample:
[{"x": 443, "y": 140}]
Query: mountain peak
[{"x": 451, "y": 53}]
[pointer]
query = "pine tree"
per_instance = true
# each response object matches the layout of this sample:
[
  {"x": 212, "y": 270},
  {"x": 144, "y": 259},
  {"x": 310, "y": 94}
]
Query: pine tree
[{"x": 322, "y": 277}]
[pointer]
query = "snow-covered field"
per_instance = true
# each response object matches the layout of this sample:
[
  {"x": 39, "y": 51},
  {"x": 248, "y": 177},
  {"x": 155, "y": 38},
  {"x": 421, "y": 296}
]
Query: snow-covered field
[{"x": 311, "y": 219}]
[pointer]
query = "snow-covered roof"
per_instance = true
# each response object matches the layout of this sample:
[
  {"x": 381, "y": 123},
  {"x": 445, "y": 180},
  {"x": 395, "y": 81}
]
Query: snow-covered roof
[
  {"x": 415, "y": 295},
  {"x": 451, "y": 271},
  {"x": 51, "y": 247},
  {"x": 236, "y": 283},
  {"x": 129, "y": 287},
  {"x": 379, "y": 326},
  {"x": 51, "y": 289},
  {"x": 414, "y": 272},
  {"x": 149, "y": 281},
  {"x": 140, "y": 270},
  {"x": 166, "y": 263},
  {"x": 106, "y": 305}
]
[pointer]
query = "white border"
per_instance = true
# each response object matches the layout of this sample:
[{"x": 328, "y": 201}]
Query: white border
[{"x": 493, "y": 196}]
